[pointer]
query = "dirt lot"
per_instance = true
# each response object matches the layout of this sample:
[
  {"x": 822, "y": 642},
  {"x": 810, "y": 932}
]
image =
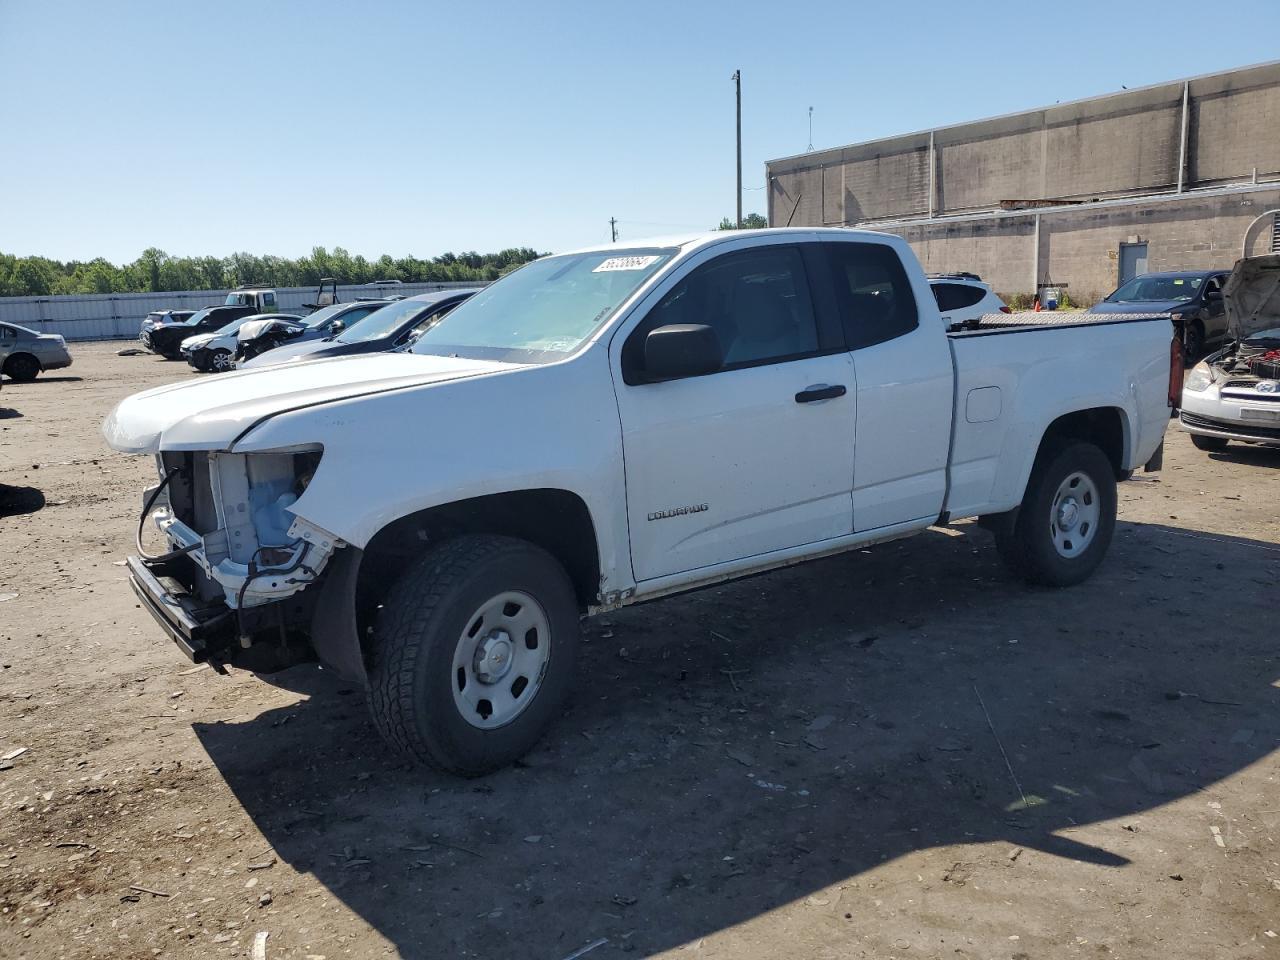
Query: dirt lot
[{"x": 798, "y": 765}]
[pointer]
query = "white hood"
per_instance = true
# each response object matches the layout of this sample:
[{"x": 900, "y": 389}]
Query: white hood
[
  {"x": 199, "y": 340},
  {"x": 251, "y": 329},
  {"x": 210, "y": 414},
  {"x": 1252, "y": 295}
]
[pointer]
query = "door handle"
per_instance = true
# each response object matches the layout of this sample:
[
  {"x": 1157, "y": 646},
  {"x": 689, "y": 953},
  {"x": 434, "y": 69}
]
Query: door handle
[{"x": 820, "y": 391}]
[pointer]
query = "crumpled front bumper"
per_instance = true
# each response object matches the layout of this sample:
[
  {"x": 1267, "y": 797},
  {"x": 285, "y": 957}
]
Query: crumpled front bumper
[{"x": 193, "y": 627}]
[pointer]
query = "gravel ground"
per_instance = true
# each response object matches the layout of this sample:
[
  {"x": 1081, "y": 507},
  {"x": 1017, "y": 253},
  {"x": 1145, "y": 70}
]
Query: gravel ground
[{"x": 899, "y": 752}]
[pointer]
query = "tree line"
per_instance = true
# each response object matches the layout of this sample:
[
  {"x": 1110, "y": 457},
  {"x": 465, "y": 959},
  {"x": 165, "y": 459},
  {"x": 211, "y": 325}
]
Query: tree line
[{"x": 156, "y": 271}]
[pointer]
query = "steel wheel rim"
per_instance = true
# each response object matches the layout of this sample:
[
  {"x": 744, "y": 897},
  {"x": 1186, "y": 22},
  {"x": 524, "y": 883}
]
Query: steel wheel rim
[
  {"x": 500, "y": 659},
  {"x": 1074, "y": 515}
]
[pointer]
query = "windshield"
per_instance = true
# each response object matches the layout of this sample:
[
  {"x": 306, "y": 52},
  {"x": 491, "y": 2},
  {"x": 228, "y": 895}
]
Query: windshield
[
  {"x": 196, "y": 317},
  {"x": 384, "y": 321},
  {"x": 1141, "y": 289},
  {"x": 545, "y": 310},
  {"x": 324, "y": 315},
  {"x": 233, "y": 326}
]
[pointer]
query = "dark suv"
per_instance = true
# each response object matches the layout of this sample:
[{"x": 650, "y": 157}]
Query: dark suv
[{"x": 165, "y": 336}]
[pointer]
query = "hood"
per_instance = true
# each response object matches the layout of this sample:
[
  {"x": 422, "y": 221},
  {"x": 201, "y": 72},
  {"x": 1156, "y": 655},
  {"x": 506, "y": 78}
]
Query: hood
[
  {"x": 1252, "y": 296},
  {"x": 1138, "y": 306},
  {"x": 253, "y": 328},
  {"x": 199, "y": 340},
  {"x": 307, "y": 350},
  {"x": 210, "y": 414}
]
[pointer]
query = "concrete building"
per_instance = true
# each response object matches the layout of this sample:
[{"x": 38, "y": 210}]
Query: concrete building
[{"x": 1086, "y": 193}]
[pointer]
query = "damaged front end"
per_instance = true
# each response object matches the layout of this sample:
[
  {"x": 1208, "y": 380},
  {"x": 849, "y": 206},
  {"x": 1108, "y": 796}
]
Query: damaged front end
[
  {"x": 231, "y": 587},
  {"x": 1234, "y": 394}
]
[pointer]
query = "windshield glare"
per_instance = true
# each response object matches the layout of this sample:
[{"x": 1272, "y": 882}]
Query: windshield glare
[
  {"x": 383, "y": 321},
  {"x": 196, "y": 317},
  {"x": 545, "y": 310},
  {"x": 1141, "y": 289}
]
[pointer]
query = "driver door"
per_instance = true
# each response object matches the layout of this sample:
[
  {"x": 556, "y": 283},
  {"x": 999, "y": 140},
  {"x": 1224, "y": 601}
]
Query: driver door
[{"x": 757, "y": 456}]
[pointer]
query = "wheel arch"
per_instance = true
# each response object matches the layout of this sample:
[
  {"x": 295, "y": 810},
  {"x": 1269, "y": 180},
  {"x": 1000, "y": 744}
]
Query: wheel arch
[
  {"x": 1105, "y": 427},
  {"x": 556, "y": 520}
]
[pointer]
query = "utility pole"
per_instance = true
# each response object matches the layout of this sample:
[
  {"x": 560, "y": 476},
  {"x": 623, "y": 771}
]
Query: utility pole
[
  {"x": 613, "y": 227},
  {"x": 811, "y": 129},
  {"x": 737, "y": 82}
]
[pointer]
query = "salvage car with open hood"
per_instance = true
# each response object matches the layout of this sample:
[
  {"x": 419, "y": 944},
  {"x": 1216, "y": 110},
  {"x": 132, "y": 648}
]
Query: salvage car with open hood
[{"x": 1234, "y": 394}]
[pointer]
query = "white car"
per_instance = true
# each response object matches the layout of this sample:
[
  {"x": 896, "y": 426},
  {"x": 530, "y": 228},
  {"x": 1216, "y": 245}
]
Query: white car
[
  {"x": 609, "y": 426},
  {"x": 963, "y": 298},
  {"x": 1234, "y": 394},
  {"x": 216, "y": 351}
]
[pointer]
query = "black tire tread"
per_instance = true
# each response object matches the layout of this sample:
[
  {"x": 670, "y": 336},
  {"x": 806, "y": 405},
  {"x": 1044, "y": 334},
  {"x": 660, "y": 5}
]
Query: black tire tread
[
  {"x": 1016, "y": 543},
  {"x": 412, "y": 602}
]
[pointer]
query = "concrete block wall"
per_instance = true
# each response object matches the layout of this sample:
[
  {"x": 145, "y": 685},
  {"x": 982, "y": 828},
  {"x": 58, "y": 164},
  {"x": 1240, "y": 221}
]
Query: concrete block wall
[{"x": 1080, "y": 246}]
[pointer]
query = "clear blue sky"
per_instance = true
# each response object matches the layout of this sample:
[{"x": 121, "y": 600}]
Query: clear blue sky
[{"x": 418, "y": 127}]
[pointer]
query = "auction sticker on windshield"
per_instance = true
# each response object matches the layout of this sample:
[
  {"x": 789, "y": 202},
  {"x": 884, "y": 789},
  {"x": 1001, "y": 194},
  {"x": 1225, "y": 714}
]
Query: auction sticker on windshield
[{"x": 624, "y": 263}]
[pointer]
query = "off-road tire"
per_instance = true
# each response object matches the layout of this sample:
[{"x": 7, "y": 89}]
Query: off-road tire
[
  {"x": 22, "y": 367},
  {"x": 1209, "y": 444},
  {"x": 417, "y": 631},
  {"x": 1026, "y": 546}
]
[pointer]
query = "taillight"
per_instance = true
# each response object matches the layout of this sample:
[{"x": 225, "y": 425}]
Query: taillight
[
  {"x": 1005, "y": 310},
  {"x": 1175, "y": 371}
]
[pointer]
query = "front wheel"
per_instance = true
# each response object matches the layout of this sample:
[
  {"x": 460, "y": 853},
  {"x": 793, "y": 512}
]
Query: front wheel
[
  {"x": 220, "y": 361},
  {"x": 473, "y": 653},
  {"x": 1066, "y": 519},
  {"x": 1209, "y": 444}
]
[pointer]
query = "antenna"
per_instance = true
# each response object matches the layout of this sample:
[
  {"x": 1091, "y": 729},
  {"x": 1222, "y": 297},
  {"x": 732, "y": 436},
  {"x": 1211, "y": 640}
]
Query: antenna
[
  {"x": 613, "y": 226},
  {"x": 811, "y": 128}
]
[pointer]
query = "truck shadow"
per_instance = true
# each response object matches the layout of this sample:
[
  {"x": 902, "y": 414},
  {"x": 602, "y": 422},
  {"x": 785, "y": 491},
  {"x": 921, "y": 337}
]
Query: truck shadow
[
  {"x": 1256, "y": 456},
  {"x": 735, "y": 750},
  {"x": 17, "y": 500}
]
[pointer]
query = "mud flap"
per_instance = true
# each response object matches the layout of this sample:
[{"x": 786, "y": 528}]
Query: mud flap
[
  {"x": 1156, "y": 461},
  {"x": 335, "y": 632}
]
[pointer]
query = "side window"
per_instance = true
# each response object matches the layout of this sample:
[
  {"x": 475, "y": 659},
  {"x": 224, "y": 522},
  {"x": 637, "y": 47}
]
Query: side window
[
  {"x": 1213, "y": 286},
  {"x": 946, "y": 295},
  {"x": 268, "y": 301},
  {"x": 7, "y": 333},
  {"x": 757, "y": 301},
  {"x": 874, "y": 294}
]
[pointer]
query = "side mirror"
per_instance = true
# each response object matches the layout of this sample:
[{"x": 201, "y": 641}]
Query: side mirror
[
  {"x": 336, "y": 328},
  {"x": 681, "y": 350}
]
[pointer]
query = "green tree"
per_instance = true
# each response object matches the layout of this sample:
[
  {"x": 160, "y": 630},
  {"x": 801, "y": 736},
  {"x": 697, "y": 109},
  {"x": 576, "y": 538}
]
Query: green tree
[{"x": 752, "y": 221}]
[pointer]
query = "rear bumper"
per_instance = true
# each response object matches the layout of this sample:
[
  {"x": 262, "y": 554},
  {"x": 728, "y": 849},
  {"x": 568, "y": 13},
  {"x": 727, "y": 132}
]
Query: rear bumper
[{"x": 57, "y": 363}]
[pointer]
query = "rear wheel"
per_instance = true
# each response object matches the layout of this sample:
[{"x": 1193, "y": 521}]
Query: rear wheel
[
  {"x": 22, "y": 367},
  {"x": 473, "y": 653},
  {"x": 1066, "y": 519},
  {"x": 1209, "y": 444}
]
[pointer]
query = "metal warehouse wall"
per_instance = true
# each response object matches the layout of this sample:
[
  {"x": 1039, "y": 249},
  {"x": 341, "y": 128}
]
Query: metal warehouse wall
[
  {"x": 118, "y": 315},
  {"x": 1202, "y": 132}
]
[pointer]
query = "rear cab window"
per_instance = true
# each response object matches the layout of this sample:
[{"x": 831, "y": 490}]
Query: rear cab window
[{"x": 873, "y": 293}]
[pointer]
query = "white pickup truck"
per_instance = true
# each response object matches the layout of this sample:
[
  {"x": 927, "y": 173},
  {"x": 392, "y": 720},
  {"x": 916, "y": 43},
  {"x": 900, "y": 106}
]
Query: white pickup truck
[{"x": 608, "y": 426}]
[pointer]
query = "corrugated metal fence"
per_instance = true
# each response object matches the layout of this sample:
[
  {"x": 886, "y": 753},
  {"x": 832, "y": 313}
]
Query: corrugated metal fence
[{"x": 116, "y": 316}]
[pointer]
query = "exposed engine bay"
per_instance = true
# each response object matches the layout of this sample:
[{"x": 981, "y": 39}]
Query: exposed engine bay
[
  {"x": 229, "y": 513},
  {"x": 1252, "y": 352}
]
